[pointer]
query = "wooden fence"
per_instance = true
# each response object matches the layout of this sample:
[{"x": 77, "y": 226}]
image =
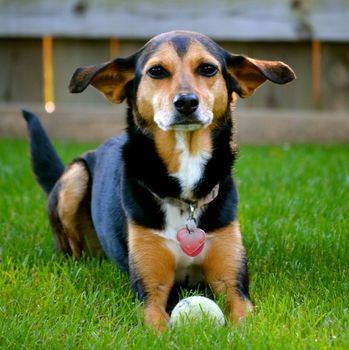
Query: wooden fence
[{"x": 43, "y": 41}]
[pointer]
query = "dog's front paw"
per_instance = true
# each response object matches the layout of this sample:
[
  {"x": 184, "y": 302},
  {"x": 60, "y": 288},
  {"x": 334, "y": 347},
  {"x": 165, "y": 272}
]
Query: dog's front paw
[
  {"x": 239, "y": 310},
  {"x": 156, "y": 318}
]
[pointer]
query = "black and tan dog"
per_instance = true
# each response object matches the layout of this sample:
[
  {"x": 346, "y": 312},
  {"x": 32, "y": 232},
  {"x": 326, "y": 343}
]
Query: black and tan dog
[{"x": 160, "y": 200}]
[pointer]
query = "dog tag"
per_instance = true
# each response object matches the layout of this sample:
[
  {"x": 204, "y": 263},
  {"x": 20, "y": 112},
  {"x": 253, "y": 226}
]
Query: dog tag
[{"x": 191, "y": 242}]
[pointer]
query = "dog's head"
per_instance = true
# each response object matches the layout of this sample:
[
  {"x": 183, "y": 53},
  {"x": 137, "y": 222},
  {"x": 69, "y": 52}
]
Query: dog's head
[{"x": 180, "y": 80}]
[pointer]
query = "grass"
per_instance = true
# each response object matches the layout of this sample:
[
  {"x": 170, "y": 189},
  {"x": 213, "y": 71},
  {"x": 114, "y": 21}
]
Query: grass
[{"x": 294, "y": 213}]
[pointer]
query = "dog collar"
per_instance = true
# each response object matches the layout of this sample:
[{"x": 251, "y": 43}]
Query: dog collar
[
  {"x": 196, "y": 204},
  {"x": 184, "y": 204}
]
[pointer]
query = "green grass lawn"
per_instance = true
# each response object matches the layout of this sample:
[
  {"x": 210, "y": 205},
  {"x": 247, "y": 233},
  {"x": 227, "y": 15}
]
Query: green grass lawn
[{"x": 294, "y": 213}]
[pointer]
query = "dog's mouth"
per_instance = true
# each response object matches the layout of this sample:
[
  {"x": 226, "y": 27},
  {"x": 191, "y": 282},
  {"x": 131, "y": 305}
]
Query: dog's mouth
[
  {"x": 185, "y": 127},
  {"x": 187, "y": 122},
  {"x": 182, "y": 122}
]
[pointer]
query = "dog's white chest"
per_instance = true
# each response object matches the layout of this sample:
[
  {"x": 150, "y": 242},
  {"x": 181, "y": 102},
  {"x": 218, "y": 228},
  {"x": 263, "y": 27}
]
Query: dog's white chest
[
  {"x": 190, "y": 171},
  {"x": 191, "y": 167}
]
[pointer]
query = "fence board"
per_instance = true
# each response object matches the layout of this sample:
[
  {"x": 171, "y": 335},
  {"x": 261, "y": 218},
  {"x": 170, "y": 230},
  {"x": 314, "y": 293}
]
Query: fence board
[
  {"x": 229, "y": 20},
  {"x": 20, "y": 73}
]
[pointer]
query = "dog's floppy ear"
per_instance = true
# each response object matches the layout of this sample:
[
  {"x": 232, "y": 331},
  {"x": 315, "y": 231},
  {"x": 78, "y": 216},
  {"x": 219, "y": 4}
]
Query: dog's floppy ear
[
  {"x": 250, "y": 73},
  {"x": 110, "y": 78}
]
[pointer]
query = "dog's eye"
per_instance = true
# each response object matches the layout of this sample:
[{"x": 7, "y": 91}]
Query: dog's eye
[
  {"x": 207, "y": 70},
  {"x": 158, "y": 72}
]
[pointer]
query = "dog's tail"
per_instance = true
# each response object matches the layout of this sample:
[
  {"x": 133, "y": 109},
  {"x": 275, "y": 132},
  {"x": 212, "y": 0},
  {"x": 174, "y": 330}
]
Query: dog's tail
[{"x": 46, "y": 164}]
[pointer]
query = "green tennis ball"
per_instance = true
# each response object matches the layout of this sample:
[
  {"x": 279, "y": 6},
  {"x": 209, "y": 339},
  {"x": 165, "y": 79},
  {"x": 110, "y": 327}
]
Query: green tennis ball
[{"x": 196, "y": 309}]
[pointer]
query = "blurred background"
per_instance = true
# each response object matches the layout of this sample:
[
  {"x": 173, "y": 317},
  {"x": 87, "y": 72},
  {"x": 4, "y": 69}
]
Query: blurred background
[{"x": 42, "y": 42}]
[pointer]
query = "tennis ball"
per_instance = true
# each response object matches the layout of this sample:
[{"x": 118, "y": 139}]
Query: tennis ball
[{"x": 194, "y": 309}]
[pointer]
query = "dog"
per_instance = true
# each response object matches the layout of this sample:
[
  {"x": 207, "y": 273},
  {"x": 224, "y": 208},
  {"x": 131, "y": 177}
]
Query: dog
[{"x": 160, "y": 200}]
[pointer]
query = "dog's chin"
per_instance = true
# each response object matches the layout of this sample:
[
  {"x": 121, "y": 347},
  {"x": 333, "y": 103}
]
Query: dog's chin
[
  {"x": 184, "y": 124},
  {"x": 181, "y": 127},
  {"x": 186, "y": 127}
]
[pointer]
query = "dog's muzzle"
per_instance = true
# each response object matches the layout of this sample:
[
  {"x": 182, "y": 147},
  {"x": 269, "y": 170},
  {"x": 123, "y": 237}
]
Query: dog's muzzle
[{"x": 187, "y": 116}]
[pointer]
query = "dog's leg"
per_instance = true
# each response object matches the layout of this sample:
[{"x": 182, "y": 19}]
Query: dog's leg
[
  {"x": 225, "y": 271},
  {"x": 68, "y": 207},
  {"x": 152, "y": 270}
]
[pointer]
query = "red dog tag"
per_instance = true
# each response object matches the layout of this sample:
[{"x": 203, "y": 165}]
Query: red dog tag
[{"x": 192, "y": 243}]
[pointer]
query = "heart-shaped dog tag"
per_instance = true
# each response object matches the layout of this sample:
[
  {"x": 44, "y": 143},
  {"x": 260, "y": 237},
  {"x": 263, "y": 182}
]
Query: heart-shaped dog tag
[{"x": 192, "y": 243}]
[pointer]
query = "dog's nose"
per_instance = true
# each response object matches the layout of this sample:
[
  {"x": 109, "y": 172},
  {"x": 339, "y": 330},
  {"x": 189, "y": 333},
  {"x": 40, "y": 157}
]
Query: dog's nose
[{"x": 186, "y": 103}]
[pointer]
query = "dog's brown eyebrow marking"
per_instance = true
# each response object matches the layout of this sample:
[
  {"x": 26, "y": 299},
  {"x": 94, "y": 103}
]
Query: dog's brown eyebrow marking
[{"x": 165, "y": 55}]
